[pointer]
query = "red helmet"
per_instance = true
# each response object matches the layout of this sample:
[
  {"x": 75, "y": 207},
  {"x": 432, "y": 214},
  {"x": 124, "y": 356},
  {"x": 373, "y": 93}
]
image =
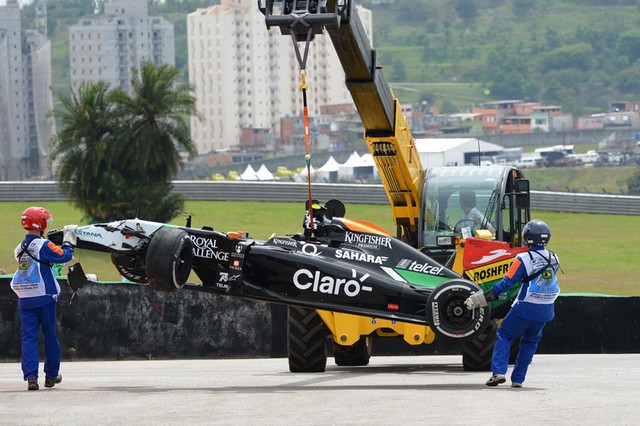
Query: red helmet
[{"x": 36, "y": 218}]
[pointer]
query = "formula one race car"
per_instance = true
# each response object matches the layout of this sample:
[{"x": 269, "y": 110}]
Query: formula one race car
[{"x": 342, "y": 266}]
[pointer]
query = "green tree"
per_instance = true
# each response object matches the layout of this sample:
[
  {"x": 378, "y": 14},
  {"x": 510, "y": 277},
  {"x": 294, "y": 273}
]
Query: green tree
[
  {"x": 158, "y": 111},
  {"x": 633, "y": 182},
  {"x": 629, "y": 45},
  {"x": 466, "y": 10},
  {"x": 628, "y": 80},
  {"x": 522, "y": 8},
  {"x": 578, "y": 56},
  {"x": 155, "y": 133},
  {"x": 83, "y": 146},
  {"x": 399, "y": 70},
  {"x": 119, "y": 152}
]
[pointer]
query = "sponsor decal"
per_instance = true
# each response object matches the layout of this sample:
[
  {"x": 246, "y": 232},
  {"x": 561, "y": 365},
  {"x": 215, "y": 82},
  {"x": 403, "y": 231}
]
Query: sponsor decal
[
  {"x": 318, "y": 282},
  {"x": 368, "y": 240},
  {"x": 225, "y": 279},
  {"x": 393, "y": 306},
  {"x": 494, "y": 254},
  {"x": 424, "y": 268},
  {"x": 236, "y": 265},
  {"x": 436, "y": 314},
  {"x": 489, "y": 272},
  {"x": 88, "y": 233},
  {"x": 480, "y": 252},
  {"x": 359, "y": 256},
  {"x": 285, "y": 242},
  {"x": 311, "y": 250},
  {"x": 207, "y": 248}
]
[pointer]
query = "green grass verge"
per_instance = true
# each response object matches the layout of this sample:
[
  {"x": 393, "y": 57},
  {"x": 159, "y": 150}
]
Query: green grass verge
[
  {"x": 597, "y": 252},
  {"x": 610, "y": 179}
]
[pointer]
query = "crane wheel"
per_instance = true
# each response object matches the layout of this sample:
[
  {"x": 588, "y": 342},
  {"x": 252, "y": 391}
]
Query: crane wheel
[
  {"x": 307, "y": 335},
  {"x": 357, "y": 354}
]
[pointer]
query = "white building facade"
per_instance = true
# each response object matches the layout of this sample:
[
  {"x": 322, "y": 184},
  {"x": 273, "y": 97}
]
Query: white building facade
[
  {"x": 106, "y": 47},
  {"x": 247, "y": 77},
  {"x": 25, "y": 99}
]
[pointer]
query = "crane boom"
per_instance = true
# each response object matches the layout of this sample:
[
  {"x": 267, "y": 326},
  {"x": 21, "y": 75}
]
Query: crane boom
[{"x": 387, "y": 134}]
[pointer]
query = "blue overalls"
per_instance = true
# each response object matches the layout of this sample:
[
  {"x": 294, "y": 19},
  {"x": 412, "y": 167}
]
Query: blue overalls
[
  {"x": 532, "y": 309},
  {"x": 38, "y": 292}
]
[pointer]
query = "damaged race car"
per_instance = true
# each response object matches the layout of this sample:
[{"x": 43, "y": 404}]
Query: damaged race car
[{"x": 337, "y": 264}]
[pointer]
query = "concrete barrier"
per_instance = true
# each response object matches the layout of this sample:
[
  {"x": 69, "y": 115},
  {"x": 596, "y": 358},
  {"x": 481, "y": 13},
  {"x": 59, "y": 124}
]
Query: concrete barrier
[{"x": 125, "y": 321}]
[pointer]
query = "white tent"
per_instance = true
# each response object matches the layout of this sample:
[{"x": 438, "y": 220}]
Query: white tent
[
  {"x": 367, "y": 161},
  {"x": 356, "y": 168},
  {"x": 345, "y": 170},
  {"x": 302, "y": 176},
  {"x": 329, "y": 171},
  {"x": 264, "y": 174},
  {"x": 249, "y": 174},
  {"x": 454, "y": 151}
]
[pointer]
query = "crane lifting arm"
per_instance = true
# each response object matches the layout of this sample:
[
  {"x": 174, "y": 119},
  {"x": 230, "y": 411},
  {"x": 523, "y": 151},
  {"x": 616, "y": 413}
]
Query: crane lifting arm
[{"x": 386, "y": 131}]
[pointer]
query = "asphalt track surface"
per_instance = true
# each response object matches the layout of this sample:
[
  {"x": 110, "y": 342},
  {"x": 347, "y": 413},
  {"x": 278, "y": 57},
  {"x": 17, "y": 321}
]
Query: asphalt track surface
[{"x": 417, "y": 390}]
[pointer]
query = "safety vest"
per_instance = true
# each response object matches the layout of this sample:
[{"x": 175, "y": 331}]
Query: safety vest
[
  {"x": 541, "y": 284},
  {"x": 28, "y": 281}
]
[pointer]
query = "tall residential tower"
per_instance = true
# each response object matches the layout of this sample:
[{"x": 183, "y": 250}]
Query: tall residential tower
[
  {"x": 25, "y": 96},
  {"x": 106, "y": 47},
  {"x": 246, "y": 77}
]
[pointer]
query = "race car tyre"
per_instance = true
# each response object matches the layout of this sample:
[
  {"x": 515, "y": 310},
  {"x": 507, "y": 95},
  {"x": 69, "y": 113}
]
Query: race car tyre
[
  {"x": 169, "y": 259},
  {"x": 131, "y": 267},
  {"x": 448, "y": 316},
  {"x": 307, "y": 336},
  {"x": 355, "y": 355},
  {"x": 477, "y": 353}
]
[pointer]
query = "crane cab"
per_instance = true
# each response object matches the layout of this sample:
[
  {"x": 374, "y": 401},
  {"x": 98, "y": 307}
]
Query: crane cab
[{"x": 498, "y": 195}]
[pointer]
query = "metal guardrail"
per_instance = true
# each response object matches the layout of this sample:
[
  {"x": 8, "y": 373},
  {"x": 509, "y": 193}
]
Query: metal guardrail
[{"x": 38, "y": 191}]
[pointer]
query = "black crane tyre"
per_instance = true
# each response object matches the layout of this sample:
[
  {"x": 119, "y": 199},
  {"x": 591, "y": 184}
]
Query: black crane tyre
[
  {"x": 169, "y": 259},
  {"x": 307, "y": 338},
  {"x": 501, "y": 311},
  {"x": 132, "y": 267},
  {"x": 477, "y": 353},
  {"x": 448, "y": 316},
  {"x": 357, "y": 354}
]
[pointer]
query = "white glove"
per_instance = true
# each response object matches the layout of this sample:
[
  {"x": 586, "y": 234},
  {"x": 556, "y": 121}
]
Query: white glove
[
  {"x": 476, "y": 300},
  {"x": 69, "y": 237}
]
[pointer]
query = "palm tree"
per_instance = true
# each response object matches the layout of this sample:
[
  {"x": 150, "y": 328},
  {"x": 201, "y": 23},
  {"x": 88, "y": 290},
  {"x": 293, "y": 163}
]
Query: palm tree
[
  {"x": 157, "y": 131},
  {"x": 82, "y": 145},
  {"x": 157, "y": 112},
  {"x": 119, "y": 152}
]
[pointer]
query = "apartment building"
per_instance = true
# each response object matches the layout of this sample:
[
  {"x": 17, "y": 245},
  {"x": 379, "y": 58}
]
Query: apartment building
[
  {"x": 247, "y": 77},
  {"x": 25, "y": 97},
  {"x": 107, "y": 46}
]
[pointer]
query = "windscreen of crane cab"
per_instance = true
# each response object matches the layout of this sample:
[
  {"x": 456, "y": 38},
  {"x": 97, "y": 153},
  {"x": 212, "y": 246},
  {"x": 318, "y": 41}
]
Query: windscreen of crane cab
[{"x": 457, "y": 200}]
